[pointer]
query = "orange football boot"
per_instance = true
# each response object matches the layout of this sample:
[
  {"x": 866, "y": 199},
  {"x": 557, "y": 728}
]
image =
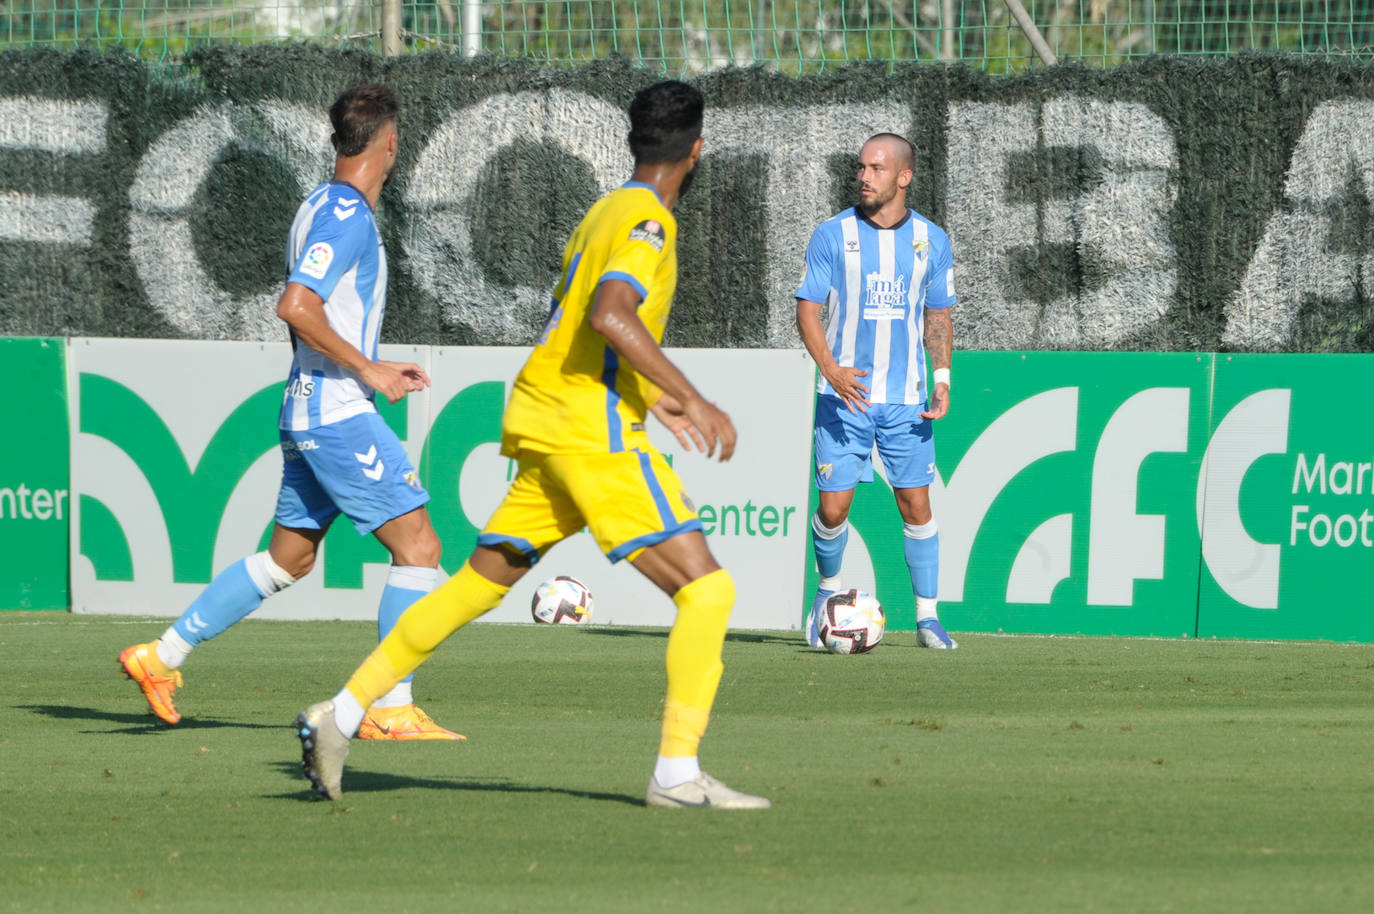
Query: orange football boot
[
  {"x": 142, "y": 664},
  {"x": 404, "y": 722}
]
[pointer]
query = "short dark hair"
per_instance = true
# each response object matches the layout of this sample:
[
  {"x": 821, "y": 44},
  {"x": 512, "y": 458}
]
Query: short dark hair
[
  {"x": 907, "y": 156},
  {"x": 359, "y": 113},
  {"x": 665, "y": 120}
]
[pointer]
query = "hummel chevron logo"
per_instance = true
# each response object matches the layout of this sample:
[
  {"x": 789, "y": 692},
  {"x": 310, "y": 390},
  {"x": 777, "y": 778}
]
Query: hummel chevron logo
[
  {"x": 373, "y": 473},
  {"x": 343, "y": 214},
  {"x": 345, "y": 201},
  {"x": 196, "y": 624}
]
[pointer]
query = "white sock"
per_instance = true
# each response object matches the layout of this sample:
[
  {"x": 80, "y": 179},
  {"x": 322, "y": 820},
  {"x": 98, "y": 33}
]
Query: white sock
[
  {"x": 670, "y": 772},
  {"x": 824, "y": 532},
  {"x": 833, "y": 584},
  {"x": 412, "y": 577},
  {"x": 172, "y": 649},
  {"x": 348, "y": 714},
  {"x": 267, "y": 575},
  {"x": 925, "y": 608},
  {"x": 399, "y": 696},
  {"x": 921, "y": 531}
]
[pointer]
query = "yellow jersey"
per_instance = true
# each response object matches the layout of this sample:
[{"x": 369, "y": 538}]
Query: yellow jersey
[{"x": 574, "y": 395}]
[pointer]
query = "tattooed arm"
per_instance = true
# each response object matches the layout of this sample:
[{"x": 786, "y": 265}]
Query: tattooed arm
[{"x": 939, "y": 348}]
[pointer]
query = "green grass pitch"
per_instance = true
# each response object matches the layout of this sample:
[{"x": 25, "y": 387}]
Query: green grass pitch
[{"x": 1017, "y": 774}]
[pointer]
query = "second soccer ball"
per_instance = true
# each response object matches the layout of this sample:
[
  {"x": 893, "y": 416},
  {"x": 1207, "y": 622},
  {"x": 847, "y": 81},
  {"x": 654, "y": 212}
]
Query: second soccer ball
[
  {"x": 852, "y": 623},
  {"x": 562, "y": 601}
]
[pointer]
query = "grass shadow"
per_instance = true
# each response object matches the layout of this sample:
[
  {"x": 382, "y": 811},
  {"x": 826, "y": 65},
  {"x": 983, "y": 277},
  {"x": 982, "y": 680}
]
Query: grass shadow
[
  {"x": 360, "y": 780},
  {"x": 137, "y": 723},
  {"x": 792, "y": 638},
  {"x": 619, "y": 631}
]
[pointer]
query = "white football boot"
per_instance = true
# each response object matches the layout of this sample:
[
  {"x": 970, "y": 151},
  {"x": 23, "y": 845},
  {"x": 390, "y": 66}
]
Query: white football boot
[{"x": 701, "y": 791}]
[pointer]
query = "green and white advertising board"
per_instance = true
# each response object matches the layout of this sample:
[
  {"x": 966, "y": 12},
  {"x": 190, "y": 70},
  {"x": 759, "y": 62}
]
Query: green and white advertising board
[
  {"x": 1144, "y": 494},
  {"x": 1290, "y": 499},
  {"x": 1102, "y": 493},
  {"x": 35, "y": 509},
  {"x": 176, "y": 466}
]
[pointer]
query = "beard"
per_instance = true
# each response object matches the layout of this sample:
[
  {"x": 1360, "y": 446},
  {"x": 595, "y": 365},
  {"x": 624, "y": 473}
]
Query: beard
[{"x": 877, "y": 201}]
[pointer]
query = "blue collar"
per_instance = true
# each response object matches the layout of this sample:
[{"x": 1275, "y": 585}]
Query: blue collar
[{"x": 648, "y": 187}]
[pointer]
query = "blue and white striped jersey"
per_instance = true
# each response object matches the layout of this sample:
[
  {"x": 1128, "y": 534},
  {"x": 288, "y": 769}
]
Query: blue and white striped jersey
[
  {"x": 876, "y": 284},
  {"x": 335, "y": 251}
]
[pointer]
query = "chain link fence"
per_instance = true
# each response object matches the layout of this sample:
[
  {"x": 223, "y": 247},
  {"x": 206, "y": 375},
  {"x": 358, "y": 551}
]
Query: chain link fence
[{"x": 682, "y": 37}]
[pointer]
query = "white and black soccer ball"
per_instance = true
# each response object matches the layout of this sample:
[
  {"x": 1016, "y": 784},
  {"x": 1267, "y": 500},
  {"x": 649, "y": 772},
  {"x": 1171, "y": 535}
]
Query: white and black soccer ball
[
  {"x": 562, "y": 601},
  {"x": 852, "y": 623}
]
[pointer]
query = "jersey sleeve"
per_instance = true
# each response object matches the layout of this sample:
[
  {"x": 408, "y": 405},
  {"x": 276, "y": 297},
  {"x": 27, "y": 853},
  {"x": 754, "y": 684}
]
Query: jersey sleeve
[
  {"x": 940, "y": 277},
  {"x": 333, "y": 246},
  {"x": 815, "y": 284},
  {"x": 636, "y": 252}
]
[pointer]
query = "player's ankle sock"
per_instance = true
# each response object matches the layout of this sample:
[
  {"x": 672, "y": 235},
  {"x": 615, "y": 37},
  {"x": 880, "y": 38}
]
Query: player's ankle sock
[
  {"x": 670, "y": 772},
  {"x": 421, "y": 629},
  {"x": 172, "y": 649},
  {"x": 348, "y": 713},
  {"x": 828, "y": 544},
  {"x": 925, "y": 609},
  {"x": 835, "y": 584},
  {"x": 922, "y": 547},
  {"x": 404, "y": 585},
  {"x": 234, "y": 593},
  {"x": 399, "y": 696},
  {"x": 693, "y": 660}
]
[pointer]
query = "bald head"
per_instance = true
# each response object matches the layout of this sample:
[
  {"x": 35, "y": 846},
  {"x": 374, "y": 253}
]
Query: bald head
[{"x": 898, "y": 149}]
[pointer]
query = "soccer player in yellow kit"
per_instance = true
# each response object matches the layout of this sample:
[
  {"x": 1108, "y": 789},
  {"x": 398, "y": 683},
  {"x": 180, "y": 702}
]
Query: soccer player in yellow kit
[{"x": 575, "y": 425}]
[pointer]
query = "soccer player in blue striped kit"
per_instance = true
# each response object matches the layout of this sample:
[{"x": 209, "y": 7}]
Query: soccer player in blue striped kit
[
  {"x": 338, "y": 456},
  {"x": 886, "y": 273}
]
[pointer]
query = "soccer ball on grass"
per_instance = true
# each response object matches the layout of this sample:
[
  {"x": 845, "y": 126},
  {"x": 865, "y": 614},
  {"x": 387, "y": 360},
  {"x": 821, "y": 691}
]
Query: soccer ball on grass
[
  {"x": 852, "y": 623},
  {"x": 562, "y": 601}
]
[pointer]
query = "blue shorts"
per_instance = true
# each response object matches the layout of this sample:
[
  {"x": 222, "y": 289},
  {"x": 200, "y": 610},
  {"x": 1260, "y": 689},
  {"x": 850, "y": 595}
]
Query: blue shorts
[
  {"x": 355, "y": 467},
  {"x": 844, "y": 445}
]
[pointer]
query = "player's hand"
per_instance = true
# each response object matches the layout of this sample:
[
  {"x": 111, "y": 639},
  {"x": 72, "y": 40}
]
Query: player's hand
[
  {"x": 845, "y": 382},
  {"x": 713, "y": 425},
  {"x": 419, "y": 378},
  {"x": 939, "y": 403},
  {"x": 394, "y": 380},
  {"x": 670, "y": 412}
]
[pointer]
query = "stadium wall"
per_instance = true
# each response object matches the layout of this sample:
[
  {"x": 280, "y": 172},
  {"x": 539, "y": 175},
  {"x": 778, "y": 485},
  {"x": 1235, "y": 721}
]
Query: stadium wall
[{"x": 1165, "y": 205}]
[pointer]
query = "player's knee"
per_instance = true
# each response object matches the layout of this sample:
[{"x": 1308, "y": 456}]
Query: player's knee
[
  {"x": 917, "y": 516},
  {"x": 430, "y": 549},
  {"x": 833, "y": 511},
  {"x": 831, "y": 519},
  {"x": 423, "y": 551},
  {"x": 914, "y": 505},
  {"x": 300, "y": 568}
]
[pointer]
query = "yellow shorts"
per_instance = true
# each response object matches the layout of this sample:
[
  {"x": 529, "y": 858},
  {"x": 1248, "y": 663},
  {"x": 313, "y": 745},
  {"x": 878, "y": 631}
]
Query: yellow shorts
[{"x": 629, "y": 500}]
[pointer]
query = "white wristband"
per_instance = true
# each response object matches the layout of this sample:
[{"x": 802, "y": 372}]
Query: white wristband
[{"x": 940, "y": 376}]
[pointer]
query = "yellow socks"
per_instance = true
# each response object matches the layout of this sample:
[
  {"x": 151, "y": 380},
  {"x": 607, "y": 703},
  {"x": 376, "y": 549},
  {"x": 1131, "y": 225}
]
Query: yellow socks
[
  {"x": 694, "y": 667},
  {"x": 421, "y": 629}
]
